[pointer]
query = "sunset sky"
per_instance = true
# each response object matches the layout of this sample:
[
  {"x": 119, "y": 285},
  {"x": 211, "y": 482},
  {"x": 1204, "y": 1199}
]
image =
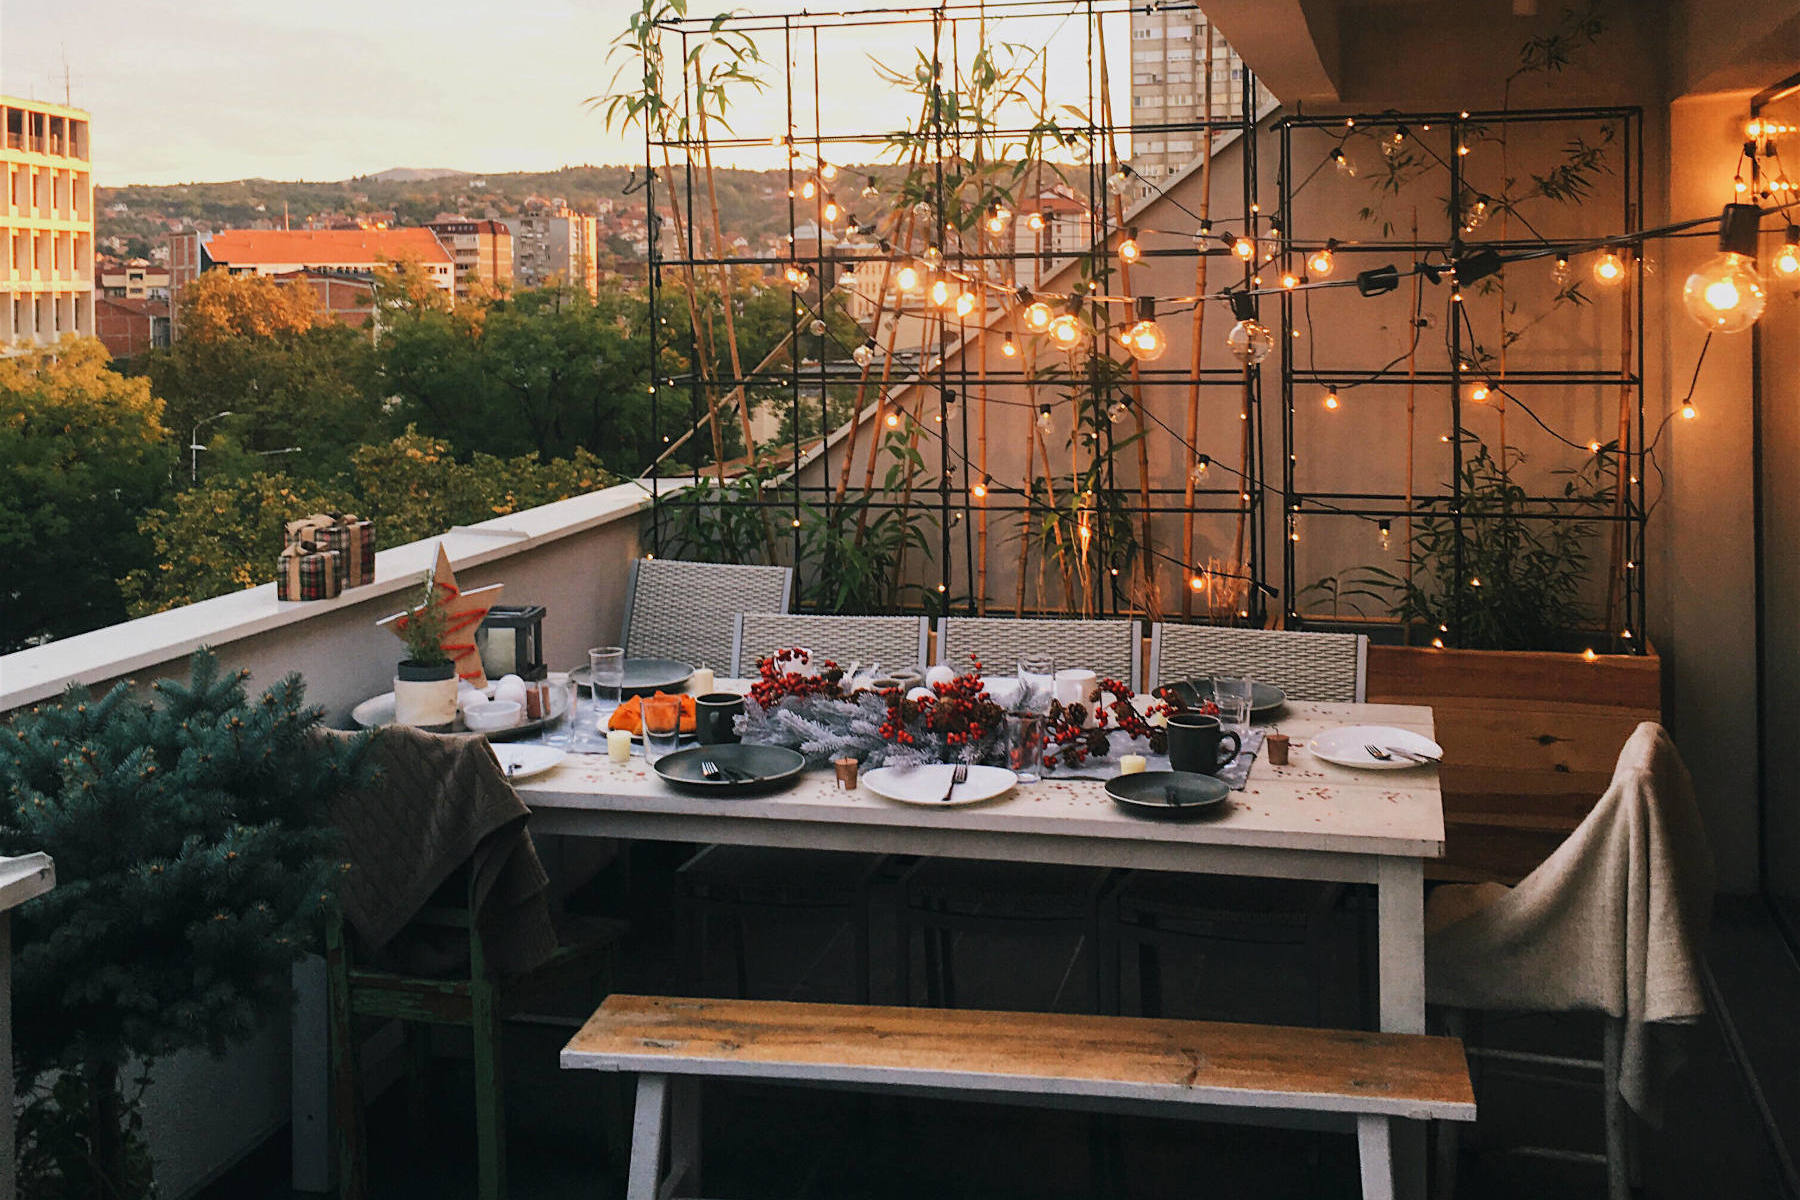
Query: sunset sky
[{"x": 228, "y": 89}]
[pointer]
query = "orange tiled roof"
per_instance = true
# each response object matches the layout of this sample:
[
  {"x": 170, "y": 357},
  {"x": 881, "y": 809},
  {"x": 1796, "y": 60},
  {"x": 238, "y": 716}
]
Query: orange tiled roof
[{"x": 333, "y": 247}]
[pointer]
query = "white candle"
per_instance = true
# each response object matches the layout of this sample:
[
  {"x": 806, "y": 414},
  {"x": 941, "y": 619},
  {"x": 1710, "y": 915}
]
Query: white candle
[
  {"x": 701, "y": 682},
  {"x": 618, "y": 745},
  {"x": 1131, "y": 764}
]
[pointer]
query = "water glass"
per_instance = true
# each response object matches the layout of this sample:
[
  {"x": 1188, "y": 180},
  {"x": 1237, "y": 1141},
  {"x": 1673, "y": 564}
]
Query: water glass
[
  {"x": 1232, "y": 695},
  {"x": 662, "y": 726},
  {"x": 606, "y": 676},
  {"x": 1025, "y": 746},
  {"x": 561, "y": 729},
  {"x": 1037, "y": 682}
]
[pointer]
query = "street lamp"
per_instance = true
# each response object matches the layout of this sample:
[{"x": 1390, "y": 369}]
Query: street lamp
[{"x": 194, "y": 446}]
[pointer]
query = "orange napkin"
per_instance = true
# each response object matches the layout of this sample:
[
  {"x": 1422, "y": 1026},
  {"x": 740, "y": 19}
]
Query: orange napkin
[{"x": 630, "y": 715}]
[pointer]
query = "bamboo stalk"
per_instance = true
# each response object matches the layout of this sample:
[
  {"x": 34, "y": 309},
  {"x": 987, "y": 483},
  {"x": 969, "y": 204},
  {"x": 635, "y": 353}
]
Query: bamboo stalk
[{"x": 1194, "y": 356}]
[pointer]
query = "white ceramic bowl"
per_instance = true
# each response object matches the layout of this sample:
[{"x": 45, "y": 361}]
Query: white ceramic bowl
[{"x": 486, "y": 715}]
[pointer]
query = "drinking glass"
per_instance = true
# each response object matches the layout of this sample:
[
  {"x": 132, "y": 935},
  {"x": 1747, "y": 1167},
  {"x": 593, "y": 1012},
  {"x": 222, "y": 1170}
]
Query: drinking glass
[
  {"x": 1037, "y": 681},
  {"x": 1025, "y": 746},
  {"x": 1232, "y": 695},
  {"x": 561, "y": 729},
  {"x": 606, "y": 676},
  {"x": 662, "y": 726}
]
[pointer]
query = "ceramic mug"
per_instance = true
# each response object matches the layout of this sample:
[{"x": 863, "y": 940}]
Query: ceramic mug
[
  {"x": 1196, "y": 741},
  {"x": 1076, "y": 686},
  {"x": 714, "y": 714}
]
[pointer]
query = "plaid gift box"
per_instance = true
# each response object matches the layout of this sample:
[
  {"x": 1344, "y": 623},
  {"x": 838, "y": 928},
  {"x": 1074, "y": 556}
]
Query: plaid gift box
[
  {"x": 346, "y": 534},
  {"x": 307, "y": 571}
]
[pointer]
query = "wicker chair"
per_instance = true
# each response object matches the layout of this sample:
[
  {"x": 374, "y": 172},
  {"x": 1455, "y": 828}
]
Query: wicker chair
[
  {"x": 688, "y": 610},
  {"x": 890, "y": 641},
  {"x": 1327, "y": 667},
  {"x": 1152, "y": 910},
  {"x": 1108, "y": 648}
]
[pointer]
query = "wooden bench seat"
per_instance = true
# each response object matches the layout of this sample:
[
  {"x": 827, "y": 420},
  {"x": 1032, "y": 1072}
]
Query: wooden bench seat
[{"x": 1347, "y": 1079}]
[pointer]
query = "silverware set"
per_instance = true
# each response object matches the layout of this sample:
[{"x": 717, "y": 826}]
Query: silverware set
[{"x": 1387, "y": 753}]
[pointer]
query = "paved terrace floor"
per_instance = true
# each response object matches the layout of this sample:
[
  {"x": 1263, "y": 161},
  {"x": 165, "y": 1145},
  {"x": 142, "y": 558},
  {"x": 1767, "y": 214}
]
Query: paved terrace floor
[{"x": 797, "y": 1144}]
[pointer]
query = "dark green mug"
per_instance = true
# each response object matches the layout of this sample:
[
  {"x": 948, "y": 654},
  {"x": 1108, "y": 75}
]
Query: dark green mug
[
  {"x": 1197, "y": 743},
  {"x": 714, "y": 714}
]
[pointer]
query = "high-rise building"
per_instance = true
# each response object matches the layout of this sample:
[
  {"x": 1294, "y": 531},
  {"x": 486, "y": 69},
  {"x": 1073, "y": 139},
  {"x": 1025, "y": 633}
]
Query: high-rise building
[
  {"x": 483, "y": 251},
  {"x": 46, "y": 224},
  {"x": 552, "y": 242},
  {"x": 1171, "y": 49}
]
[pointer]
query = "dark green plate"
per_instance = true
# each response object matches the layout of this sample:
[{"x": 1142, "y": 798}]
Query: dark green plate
[
  {"x": 644, "y": 676},
  {"x": 1265, "y": 698},
  {"x": 1169, "y": 795},
  {"x": 746, "y": 768}
]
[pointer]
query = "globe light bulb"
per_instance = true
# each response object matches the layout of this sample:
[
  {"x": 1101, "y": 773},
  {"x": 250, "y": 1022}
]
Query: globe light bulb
[
  {"x": 1197, "y": 472},
  {"x": 893, "y": 420},
  {"x": 1786, "y": 262},
  {"x": 864, "y": 354},
  {"x": 1129, "y": 251},
  {"x": 965, "y": 304},
  {"x": 907, "y": 279},
  {"x": 831, "y": 210},
  {"x": 1609, "y": 268},
  {"x": 1035, "y": 222},
  {"x": 1321, "y": 261},
  {"x": 1116, "y": 411},
  {"x": 1244, "y": 248},
  {"x": 1250, "y": 342},
  {"x": 1119, "y": 182},
  {"x": 1009, "y": 348},
  {"x": 808, "y": 190},
  {"x": 1479, "y": 390},
  {"x": 940, "y": 292},
  {"x": 1146, "y": 341},
  {"x": 1345, "y": 165},
  {"x": 817, "y": 327},
  {"x": 1290, "y": 280},
  {"x": 1064, "y": 331},
  {"x": 1044, "y": 418},
  {"x": 870, "y": 189},
  {"x": 1331, "y": 400},
  {"x": 1726, "y": 294},
  {"x": 979, "y": 491},
  {"x": 995, "y": 224},
  {"x": 1560, "y": 274},
  {"x": 922, "y": 210},
  {"x": 1037, "y": 317},
  {"x": 827, "y": 172},
  {"x": 933, "y": 256}
]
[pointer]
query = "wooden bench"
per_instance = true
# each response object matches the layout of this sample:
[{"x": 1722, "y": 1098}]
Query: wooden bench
[{"x": 1272, "y": 1074}]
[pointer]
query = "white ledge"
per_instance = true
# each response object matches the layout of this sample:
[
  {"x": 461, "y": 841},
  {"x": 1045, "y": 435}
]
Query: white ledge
[{"x": 45, "y": 671}]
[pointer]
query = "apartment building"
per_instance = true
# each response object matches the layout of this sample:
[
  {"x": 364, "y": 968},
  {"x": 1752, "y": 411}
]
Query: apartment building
[
  {"x": 483, "y": 251},
  {"x": 132, "y": 279},
  {"x": 1182, "y": 72},
  {"x": 552, "y": 242},
  {"x": 46, "y": 224}
]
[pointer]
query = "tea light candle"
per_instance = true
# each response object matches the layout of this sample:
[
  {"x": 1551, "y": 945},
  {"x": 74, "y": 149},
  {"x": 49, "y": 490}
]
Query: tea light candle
[
  {"x": 1131, "y": 764},
  {"x": 701, "y": 682},
  {"x": 618, "y": 745},
  {"x": 1277, "y": 745},
  {"x": 846, "y": 773}
]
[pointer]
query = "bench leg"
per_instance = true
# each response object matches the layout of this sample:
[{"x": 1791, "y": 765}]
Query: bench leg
[
  {"x": 1375, "y": 1152},
  {"x": 647, "y": 1137},
  {"x": 684, "y": 1136}
]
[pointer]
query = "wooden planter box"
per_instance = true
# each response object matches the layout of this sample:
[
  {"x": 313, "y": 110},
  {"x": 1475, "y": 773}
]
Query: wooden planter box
[{"x": 1530, "y": 740}]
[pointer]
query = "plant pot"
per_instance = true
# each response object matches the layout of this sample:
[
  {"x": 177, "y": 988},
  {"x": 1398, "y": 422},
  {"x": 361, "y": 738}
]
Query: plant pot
[{"x": 425, "y": 694}]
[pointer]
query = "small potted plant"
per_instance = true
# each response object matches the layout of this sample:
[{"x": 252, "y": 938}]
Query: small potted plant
[{"x": 425, "y": 680}]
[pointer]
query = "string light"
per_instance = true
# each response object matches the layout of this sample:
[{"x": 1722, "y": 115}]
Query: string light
[
  {"x": 1386, "y": 529},
  {"x": 1609, "y": 268},
  {"x": 1009, "y": 348},
  {"x": 1787, "y": 259},
  {"x": 1064, "y": 331},
  {"x": 1346, "y": 167},
  {"x": 1560, "y": 274},
  {"x": 979, "y": 491},
  {"x": 1129, "y": 251},
  {"x": 1037, "y": 316},
  {"x": 827, "y": 172},
  {"x": 997, "y": 218},
  {"x": 893, "y": 419},
  {"x": 1321, "y": 260},
  {"x": 1289, "y": 280},
  {"x": 1146, "y": 340},
  {"x": 1119, "y": 182},
  {"x": 865, "y": 353},
  {"x": 1117, "y": 411},
  {"x": 1331, "y": 399},
  {"x": 907, "y": 278},
  {"x": 965, "y": 304},
  {"x": 870, "y": 189},
  {"x": 798, "y": 277},
  {"x": 1726, "y": 294},
  {"x": 1244, "y": 248},
  {"x": 1479, "y": 390},
  {"x": 830, "y": 210},
  {"x": 1196, "y": 583},
  {"x": 933, "y": 257},
  {"x": 1250, "y": 342},
  {"x": 808, "y": 190},
  {"x": 1044, "y": 417},
  {"x": 940, "y": 293},
  {"x": 1688, "y": 413},
  {"x": 1035, "y": 222},
  {"x": 817, "y": 328}
]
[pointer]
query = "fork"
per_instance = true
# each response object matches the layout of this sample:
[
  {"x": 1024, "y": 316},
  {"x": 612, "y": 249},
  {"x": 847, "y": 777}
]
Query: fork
[
  {"x": 712, "y": 770},
  {"x": 1384, "y": 754},
  {"x": 960, "y": 775}
]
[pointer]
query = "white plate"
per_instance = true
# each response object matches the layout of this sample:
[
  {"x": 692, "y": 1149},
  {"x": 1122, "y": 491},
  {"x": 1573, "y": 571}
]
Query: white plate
[
  {"x": 1348, "y": 745},
  {"x": 521, "y": 761},
  {"x": 925, "y": 785}
]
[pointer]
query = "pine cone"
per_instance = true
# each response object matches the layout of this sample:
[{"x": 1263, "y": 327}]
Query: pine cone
[
  {"x": 1097, "y": 743},
  {"x": 1159, "y": 741}
]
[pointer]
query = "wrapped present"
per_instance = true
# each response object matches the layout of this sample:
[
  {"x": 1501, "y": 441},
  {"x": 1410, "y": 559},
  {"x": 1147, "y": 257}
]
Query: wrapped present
[
  {"x": 351, "y": 537},
  {"x": 307, "y": 571}
]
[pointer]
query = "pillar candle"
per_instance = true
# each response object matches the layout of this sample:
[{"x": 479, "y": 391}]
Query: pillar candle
[
  {"x": 618, "y": 745},
  {"x": 701, "y": 681},
  {"x": 1131, "y": 764}
]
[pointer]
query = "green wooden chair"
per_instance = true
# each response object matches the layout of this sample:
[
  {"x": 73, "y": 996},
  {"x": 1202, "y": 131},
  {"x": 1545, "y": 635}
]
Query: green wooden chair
[{"x": 475, "y": 1000}]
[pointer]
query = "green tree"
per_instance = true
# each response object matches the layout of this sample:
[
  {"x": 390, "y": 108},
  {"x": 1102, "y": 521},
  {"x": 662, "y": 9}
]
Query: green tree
[
  {"x": 83, "y": 452},
  {"x": 193, "y": 853}
]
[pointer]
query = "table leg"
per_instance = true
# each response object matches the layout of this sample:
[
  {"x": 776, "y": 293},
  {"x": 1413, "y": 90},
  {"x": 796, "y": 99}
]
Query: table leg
[
  {"x": 1400, "y": 920},
  {"x": 643, "y": 1181}
]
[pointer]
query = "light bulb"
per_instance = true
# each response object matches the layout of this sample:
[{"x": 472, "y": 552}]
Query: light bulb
[
  {"x": 995, "y": 224},
  {"x": 1560, "y": 274},
  {"x": 1119, "y": 182},
  {"x": 827, "y": 172},
  {"x": 1331, "y": 399},
  {"x": 1250, "y": 342},
  {"x": 1037, "y": 317},
  {"x": 1386, "y": 529},
  {"x": 922, "y": 210},
  {"x": 1726, "y": 294},
  {"x": 1244, "y": 248},
  {"x": 1117, "y": 411},
  {"x": 817, "y": 327},
  {"x": 1479, "y": 390},
  {"x": 1009, "y": 348},
  {"x": 893, "y": 420},
  {"x": 864, "y": 354},
  {"x": 1064, "y": 331},
  {"x": 965, "y": 304},
  {"x": 1345, "y": 165},
  {"x": 1688, "y": 413},
  {"x": 933, "y": 256},
  {"x": 1197, "y": 472},
  {"x": 1035, "y": 222},
  {"x": 1787, "y": 259},
  {"x": 870, "y": 190},
  {"x": 1196, "y": 583},
  {"x": 1320, "y": 262},
  {"x": 808, "y": 190},
  {"x": 1129, "y": 251},
  {"x": 1146, "y": 341},
  {"x": 940, "y": 292},
  {"x": 1044, "y": 418},
  {"x": 1289, "y": 280},
  {"x": 831, "y": 210},
  {"x": 1609, "y": 268},
  {"x": 798, "y": 278},
  {"x": 979, "y": 491}
]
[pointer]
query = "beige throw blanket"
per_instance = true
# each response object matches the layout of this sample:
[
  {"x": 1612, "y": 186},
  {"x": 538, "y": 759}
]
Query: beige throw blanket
[
  {"x": 438, "y": 803},
  {"x": 1612, "y": 921}
]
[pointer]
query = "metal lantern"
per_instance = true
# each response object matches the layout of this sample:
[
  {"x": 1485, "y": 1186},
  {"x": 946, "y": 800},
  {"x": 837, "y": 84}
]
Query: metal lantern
[{"x": 511, "y": 641}]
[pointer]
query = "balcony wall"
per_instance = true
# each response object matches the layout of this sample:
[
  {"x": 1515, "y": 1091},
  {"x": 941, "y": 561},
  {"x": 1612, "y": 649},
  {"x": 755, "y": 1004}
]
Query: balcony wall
[{"x": 570, "y": 557}]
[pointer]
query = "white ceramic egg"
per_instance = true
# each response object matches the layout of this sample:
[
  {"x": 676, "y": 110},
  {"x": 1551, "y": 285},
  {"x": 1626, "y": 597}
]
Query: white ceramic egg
[
  {"x": 941, "y": 673},
  {"x": 921, "y": 693},
  {"x": 512, "y": 688}
]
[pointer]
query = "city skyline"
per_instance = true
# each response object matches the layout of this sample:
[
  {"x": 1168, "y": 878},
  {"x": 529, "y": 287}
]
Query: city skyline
[{"x": 212, "y": 90}]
